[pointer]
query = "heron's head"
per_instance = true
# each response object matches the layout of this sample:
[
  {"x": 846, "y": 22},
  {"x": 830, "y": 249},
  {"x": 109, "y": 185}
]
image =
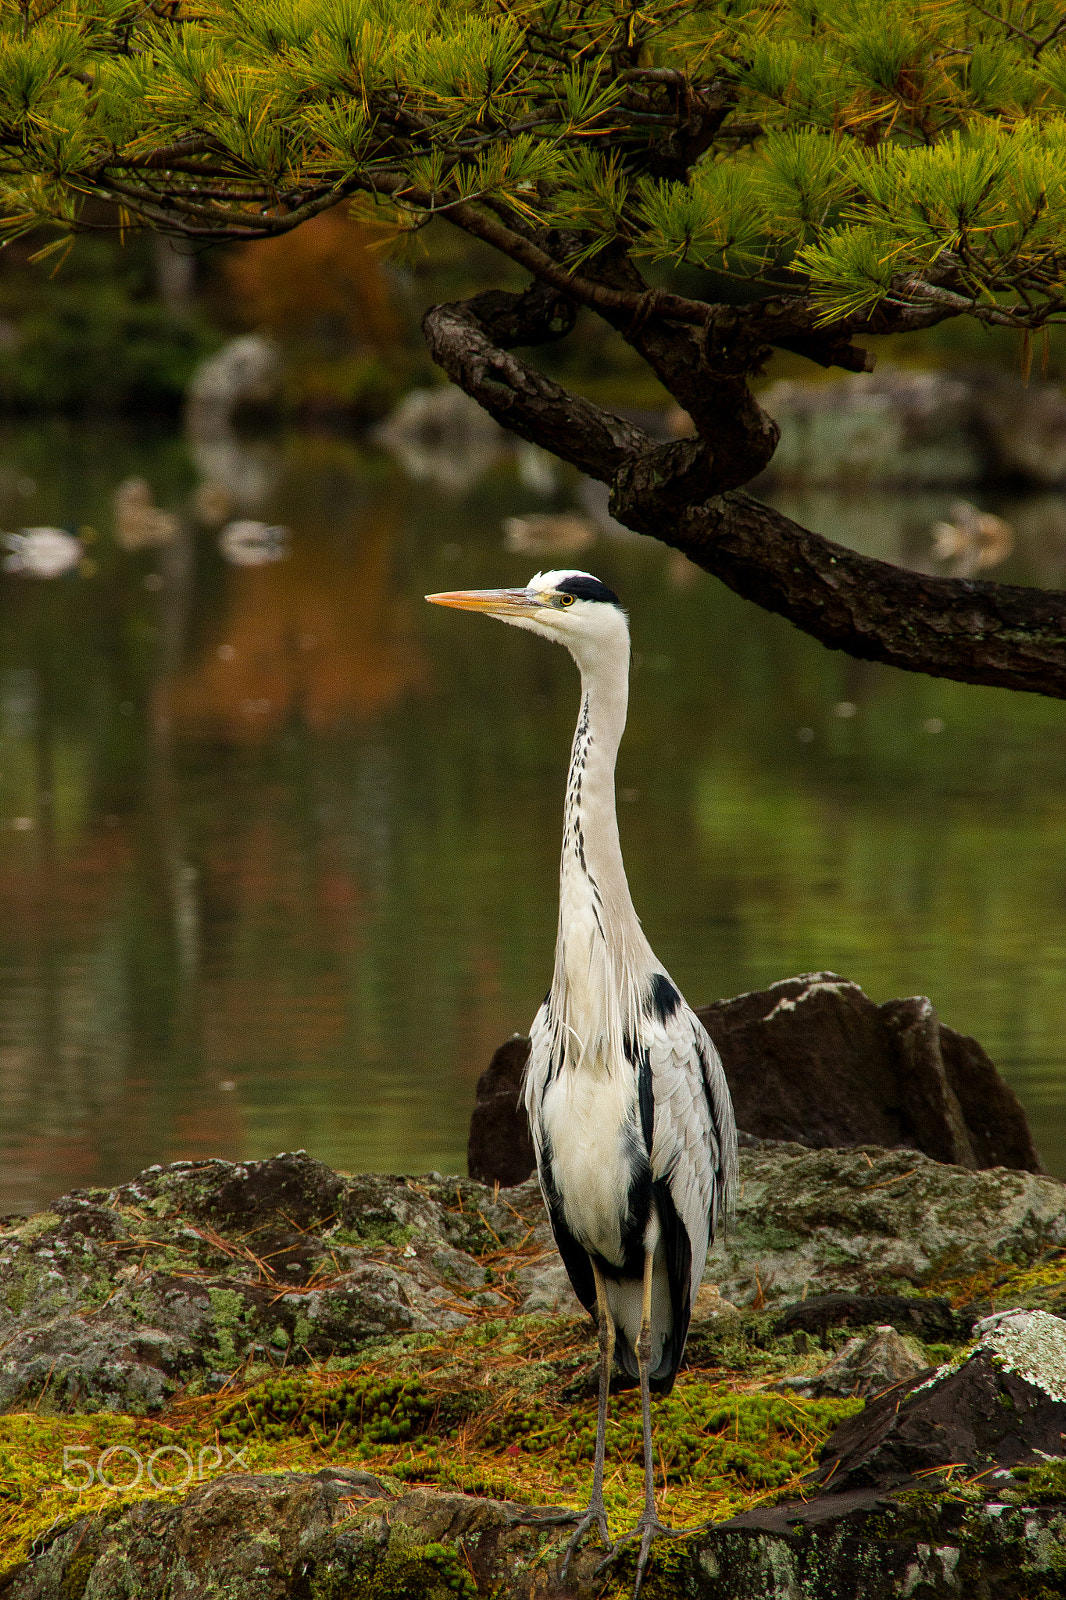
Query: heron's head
[{"x": 573, "y": 608}]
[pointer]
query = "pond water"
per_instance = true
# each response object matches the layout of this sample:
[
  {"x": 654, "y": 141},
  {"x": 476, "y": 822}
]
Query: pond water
[{"x": 278, "y": 842}]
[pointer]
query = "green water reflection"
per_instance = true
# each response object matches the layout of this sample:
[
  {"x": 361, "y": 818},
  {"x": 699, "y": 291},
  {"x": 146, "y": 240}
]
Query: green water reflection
[{"x": 278, "y": 845}]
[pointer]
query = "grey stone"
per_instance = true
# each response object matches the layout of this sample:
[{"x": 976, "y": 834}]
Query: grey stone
[
  {"x": 890, "y": 426},
  {"x": 245, "y": 372},
  {"x": 292, "y": 1536},
  {"x": 441, "y": 436},
  {"x": 867, "y": 1220},
  {"x": 899, "y": 426},
  {"x": 867, "y": 1365},
  {"x": 1002, "y": 1406}
]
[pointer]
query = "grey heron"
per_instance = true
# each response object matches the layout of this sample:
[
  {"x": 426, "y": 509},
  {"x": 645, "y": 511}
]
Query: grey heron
[{"x": 632, "y": 1122}]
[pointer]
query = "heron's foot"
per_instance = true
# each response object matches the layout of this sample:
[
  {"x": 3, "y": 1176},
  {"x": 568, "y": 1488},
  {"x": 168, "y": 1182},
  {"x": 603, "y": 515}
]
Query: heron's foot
[
  {"x": 595, "y": 1516},
  {"x": 647, "y": 1529}
]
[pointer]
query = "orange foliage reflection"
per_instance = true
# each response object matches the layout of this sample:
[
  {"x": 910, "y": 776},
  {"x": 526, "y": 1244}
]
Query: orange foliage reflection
[{"x": 318, "y": 634}]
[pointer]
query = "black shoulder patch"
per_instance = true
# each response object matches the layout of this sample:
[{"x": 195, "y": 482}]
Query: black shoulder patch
[
  {"x": 663, "y": 998},
  {"x": 586, "y": 588}
]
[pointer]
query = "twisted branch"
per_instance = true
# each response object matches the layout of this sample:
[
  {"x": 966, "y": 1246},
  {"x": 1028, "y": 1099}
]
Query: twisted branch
[{"x": 974, "y": 632}]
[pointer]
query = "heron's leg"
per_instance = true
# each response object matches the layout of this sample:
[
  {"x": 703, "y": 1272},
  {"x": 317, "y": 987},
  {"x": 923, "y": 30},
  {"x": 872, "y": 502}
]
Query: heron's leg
[
  {"x": 644, "y": 1367},
  {"x": 648, "y": 1525},
  {"x": 596, "y": 1512}
]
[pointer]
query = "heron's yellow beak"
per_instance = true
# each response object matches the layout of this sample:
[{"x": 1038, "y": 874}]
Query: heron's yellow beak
[{"x": 500, "y": 602}]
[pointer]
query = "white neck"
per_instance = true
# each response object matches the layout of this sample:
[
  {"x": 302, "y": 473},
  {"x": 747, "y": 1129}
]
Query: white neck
[{"x": 601, "y": 956}]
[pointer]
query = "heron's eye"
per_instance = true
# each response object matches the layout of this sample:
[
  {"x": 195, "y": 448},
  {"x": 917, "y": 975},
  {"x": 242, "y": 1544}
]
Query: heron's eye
[{"x": 566, "y": 599}]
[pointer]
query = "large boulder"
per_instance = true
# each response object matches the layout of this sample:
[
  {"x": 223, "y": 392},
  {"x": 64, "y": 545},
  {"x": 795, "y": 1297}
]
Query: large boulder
[
  {"x": 814, "y": 1060},
  {"x": 336, "y": 1534},
  {"x": 500, "y": 1146},
  {"x": 865, "y": 1221},
  {"x": 115, "y": 1299}
]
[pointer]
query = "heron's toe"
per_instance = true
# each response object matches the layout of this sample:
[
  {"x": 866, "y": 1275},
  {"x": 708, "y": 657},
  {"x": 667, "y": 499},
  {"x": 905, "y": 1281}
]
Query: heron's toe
[
  {"x": 647, "y": 1530},
  {"x": 595, "y": 1516}
]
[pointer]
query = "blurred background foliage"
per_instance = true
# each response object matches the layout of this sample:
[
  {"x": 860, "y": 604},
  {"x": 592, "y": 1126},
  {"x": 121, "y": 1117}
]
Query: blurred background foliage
[{"x": 117, "y": 325}]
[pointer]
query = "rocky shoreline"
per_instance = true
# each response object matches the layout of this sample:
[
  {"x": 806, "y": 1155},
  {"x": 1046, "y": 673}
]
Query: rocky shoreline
[{"x": 270, "y": 1381}]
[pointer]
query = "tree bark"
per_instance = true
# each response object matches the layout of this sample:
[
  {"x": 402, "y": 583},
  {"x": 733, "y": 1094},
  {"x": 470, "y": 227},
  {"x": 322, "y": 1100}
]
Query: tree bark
[
  {"x": 685, "y": 495},
  {"x": 999, "y": 634}
]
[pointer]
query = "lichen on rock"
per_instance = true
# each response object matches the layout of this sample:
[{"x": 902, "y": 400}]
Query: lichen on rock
[{"x": 1029, "y": 1343}]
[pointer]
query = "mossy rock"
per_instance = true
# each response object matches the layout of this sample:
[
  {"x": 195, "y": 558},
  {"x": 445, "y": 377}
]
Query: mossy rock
[
  {"x": 287, "y": 1538},
  {"x": 402, "y": 1572}
]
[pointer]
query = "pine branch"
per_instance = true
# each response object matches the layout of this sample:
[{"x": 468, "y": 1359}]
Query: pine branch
[
  {"x": 1036, "y": 45},
  {"x": 462, "y": 339},
  {"x": 974, "y": 632},
  {"x": 995, "y": 316},
  {"x": 523, "y": 251},
  {"x": 996, "y": 634}
]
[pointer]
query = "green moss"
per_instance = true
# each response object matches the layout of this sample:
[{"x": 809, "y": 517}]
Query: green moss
[
  {"x": 168, "y": 1259},
  {"x": 522, "y": 1391},
  {"x": 49, "y": 1477},
  {"x": 713, "y": 1438},
  {"x": 401, "y": 1572},
  {"x": 15, "y": 1295},
  {"x": 918, "y": 1513},
  {"x": 669, "y": 1572},
  {"x": 1005, "y": 1283},
  {"x": 769, "y": 1237},
  {"x": 358, "y": 1411},
  {"x": 1045, "y": 1484},
  {"x": 34, "y": 1227},
  {"x": 229, "y": 1314},
  {"x": 374, "y": 1232},
  {"x": 76, "y": 1577}
]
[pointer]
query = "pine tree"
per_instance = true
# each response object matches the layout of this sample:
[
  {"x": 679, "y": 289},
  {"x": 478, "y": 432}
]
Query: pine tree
[{"x": 828, "y": 169}]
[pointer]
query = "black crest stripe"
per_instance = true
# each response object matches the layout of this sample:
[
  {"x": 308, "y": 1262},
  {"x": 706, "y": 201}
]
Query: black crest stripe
[{"x": 585, "y": 588}]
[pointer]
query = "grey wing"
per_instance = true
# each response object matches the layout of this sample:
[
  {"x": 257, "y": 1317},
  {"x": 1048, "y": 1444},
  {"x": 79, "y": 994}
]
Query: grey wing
[
  {"x": 538, "y": 1072},
  {"x": 694, "y": 1136}
]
